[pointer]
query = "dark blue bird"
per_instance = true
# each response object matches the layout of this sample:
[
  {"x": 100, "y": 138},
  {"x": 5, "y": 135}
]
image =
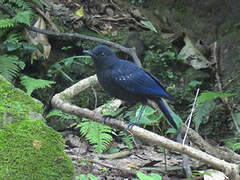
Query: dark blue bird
[{"x": 126, "y": 81}]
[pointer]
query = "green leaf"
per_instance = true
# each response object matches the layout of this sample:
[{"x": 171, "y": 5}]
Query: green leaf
[
  {"x": 23, "y": 17},
  {"x": 202, "y": 110},
  {"x": 171, "y": 131},
  {"x": 237, "y": 117},
  {"x": 127, "y": 139},
  {"x": 10, "y": 66},
  {"x": 12, "y": 46},
  {"x": 156, "y": 176},
  {"x": 92, "y": 177},
  {"x": 62, "y": 115},
  {"x": 6, "y": 23},
  {"x": 236, "y": 147},
  {"x": 149, "y": 25},
  {"x": 177, "y": 120},
  {"x": 143, "y": 176},
  {"x": 147, "y": 117},
  {"x": 113, "y": 150},
  {"x": 81, "y": 177},
  {"x": 32, "y": 84},
  {"x": 194, "y": 83},
  {"x": 97, "y": 134},
  {"x": 29, "y": 47},
  {"x": 213, "y": 95}
]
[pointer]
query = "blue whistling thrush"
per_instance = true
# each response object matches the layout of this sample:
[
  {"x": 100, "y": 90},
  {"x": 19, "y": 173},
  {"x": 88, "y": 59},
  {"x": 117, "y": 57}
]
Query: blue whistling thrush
[{"x": 126, "y": 81}]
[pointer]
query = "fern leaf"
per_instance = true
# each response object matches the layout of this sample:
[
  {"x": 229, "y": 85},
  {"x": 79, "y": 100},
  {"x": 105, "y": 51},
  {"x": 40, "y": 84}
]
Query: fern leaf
[
  {"x": 213, "y": 95},
  {"x": 10, "y": 66},
  {"x": 202, "y": 110},
  {"x": 62, "y": 115},
  {"x": 23, "y": 17},
  {"x": 6, "y": 23},
  {"x": 127, "y": 139},
  {"x": 97, "y": 134},
  {"x": 21, "y": 4},
  {"x": 32, "y": 84}
]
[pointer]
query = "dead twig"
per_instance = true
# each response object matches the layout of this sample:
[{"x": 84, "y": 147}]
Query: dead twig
[
  {"x": 113, "y": 156},
  {"x": 129, "y": 51},
  {"x": 46, "y": 16},
  {"x": 126, "y": 171}
]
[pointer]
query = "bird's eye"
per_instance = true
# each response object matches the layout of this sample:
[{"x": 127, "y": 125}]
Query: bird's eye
[{"x": 102, "y": 54}]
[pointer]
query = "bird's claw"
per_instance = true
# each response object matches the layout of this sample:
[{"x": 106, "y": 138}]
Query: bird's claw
[
  {"x": 130, "y": 125},
  {"x": 106, "y": 117}
]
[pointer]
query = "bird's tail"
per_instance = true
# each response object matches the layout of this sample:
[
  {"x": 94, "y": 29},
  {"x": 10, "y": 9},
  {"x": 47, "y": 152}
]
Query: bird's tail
[{"x": 166, "y": 111}]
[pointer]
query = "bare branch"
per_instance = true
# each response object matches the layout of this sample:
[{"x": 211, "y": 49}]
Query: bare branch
[{"x": 129, "y": 51}]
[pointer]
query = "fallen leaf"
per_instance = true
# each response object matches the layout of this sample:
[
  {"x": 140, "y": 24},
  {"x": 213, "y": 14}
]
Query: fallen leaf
[
  {"x": 37, "y": 144},
  {"x": 133, "y": 166},
  {"x": 190, "y": 53},
  {"x": 212, "y": 174},
  {"x": 149, "y": 25},
  {"x": 79, "y": 12},
  {"x": 38, "y": 38}
]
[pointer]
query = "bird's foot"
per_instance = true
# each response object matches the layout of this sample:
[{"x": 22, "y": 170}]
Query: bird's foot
[
  {"x": 130, "y": 125},
  {"x": 107, "y": 117}
]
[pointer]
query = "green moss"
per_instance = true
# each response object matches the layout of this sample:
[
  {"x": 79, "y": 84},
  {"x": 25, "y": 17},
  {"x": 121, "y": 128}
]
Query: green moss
[
  {"x": 31, "y": 150},
  {"x": 15, "y": 105}
]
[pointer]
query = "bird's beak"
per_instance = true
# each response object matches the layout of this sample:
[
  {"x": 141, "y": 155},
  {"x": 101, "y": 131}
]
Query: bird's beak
[{"x": 88, "y": 53}]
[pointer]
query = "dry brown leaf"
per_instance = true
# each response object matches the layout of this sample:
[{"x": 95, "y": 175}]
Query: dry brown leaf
[
  {"x": 38, "y": 38},
  {"x": 193, "y": 56},
  {"x": 37, "y": 144},
  {"x": 133, "y": 166}
]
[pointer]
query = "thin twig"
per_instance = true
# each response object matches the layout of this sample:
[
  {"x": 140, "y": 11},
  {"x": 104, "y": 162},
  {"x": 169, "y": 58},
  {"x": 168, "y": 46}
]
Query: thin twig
[
  {"x": 129, "y": 51},
  {"x": 124, "y": 170},
  {"x": 47, "y": 17},
  {"x": 190, "y": 116},
  {"x": 95, "y": 96}
]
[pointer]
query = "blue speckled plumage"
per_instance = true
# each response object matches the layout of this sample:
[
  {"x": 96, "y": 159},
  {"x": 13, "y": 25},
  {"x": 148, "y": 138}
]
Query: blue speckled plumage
[{"x": 124, "y": 80}]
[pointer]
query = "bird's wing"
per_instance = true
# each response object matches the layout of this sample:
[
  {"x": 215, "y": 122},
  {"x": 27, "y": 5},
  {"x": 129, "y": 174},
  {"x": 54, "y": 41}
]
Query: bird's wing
[{"x": 135, "y": 80}]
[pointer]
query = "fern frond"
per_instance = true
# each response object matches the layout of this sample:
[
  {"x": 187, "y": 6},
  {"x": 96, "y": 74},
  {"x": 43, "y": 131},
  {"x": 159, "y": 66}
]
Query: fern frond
[
  {"x": 21, "y": 4},
  {"x": 213, "y": 95},
  {"x": 127, "y": 139},
  {"x": 32, "y": 84},
  {"x": 15, "y": 37},
  {"x": 23, "y": 17},
  {"x": 202, "y": 110},
  {"x": 97, "y": 134},
  {"x": 9, "y": 66},
  {"x": 62, "y": 115},
  {"x": 6, "y": 23}
]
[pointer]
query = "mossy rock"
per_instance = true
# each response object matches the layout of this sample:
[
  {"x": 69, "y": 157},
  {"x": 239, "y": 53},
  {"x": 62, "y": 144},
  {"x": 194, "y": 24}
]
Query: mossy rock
[
  {"x": 16, "y": 106},
  {"x": 29, "y": 149}
]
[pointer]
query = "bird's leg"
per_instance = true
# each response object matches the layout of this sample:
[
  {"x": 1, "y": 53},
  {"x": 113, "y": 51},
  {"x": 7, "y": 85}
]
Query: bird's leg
[
  {"x": 106, "y": 117},
  {"x": 130, "y": 125}
]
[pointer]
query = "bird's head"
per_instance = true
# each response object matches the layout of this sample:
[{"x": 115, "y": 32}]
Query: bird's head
[{"x": 102, "y": 55}]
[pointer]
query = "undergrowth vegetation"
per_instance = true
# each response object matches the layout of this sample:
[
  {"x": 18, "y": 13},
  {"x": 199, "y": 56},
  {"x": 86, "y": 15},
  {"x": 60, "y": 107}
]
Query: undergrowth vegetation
[{"x": 42, "y": 79}]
